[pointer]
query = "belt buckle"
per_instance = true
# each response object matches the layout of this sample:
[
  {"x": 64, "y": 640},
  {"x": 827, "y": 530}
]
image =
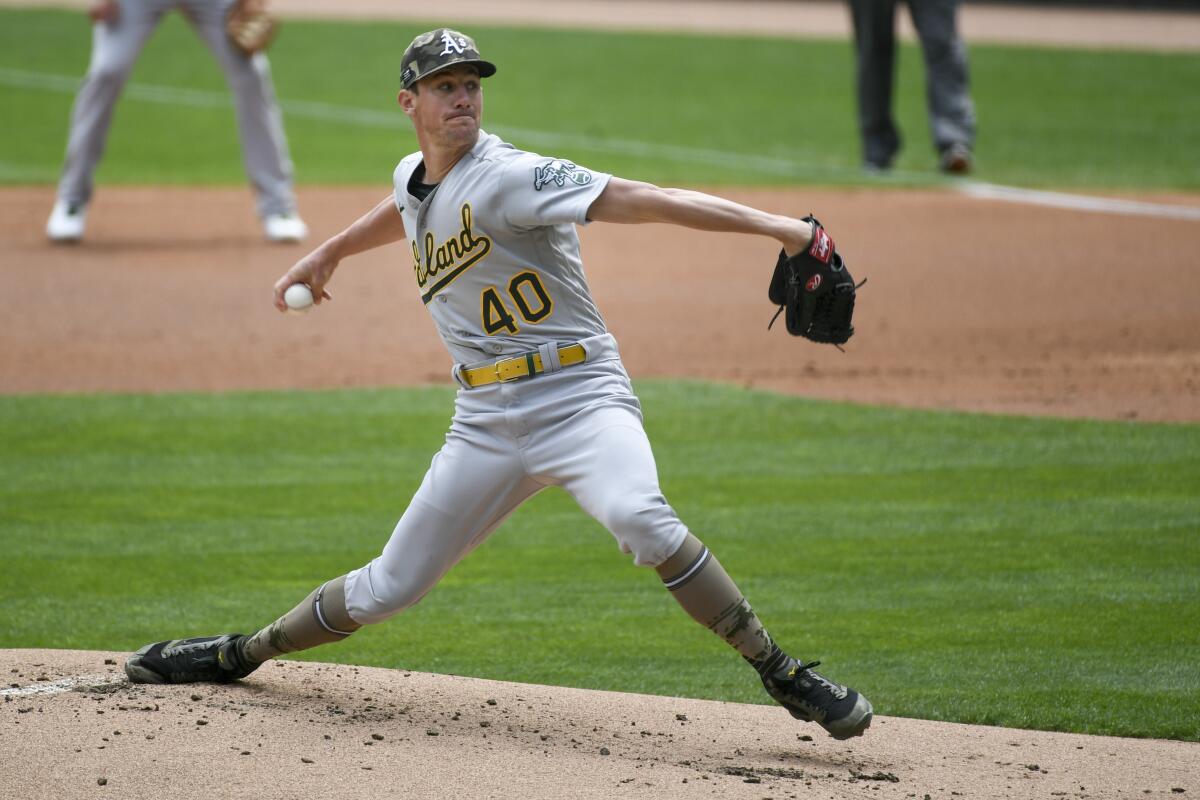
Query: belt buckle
[{"x": 500, "y": 376}]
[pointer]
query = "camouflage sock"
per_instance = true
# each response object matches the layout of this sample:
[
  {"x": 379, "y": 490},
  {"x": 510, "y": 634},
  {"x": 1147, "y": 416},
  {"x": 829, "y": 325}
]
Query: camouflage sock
[
  {"x": 321, "y": 618},
  {"x": 700, "y": 584}
]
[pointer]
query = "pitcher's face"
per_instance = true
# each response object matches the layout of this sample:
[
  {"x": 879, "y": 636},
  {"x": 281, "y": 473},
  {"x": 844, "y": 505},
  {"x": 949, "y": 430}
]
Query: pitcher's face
[{"x": 447, "y": 106}]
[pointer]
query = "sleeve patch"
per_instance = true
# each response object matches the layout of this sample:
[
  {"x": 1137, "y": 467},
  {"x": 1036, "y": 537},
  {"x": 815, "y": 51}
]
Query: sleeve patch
[{"x": 558, "y": 172}]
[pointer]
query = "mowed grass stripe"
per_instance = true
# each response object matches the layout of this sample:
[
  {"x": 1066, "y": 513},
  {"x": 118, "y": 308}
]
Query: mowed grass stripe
[
  {"x": 1003, "y": 570},
  {"x": 652, "y": 106},
  {"x": 393, "y": 119}
]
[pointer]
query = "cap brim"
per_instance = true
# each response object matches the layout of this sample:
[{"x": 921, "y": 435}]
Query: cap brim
[{"x": 486, "y": 69}]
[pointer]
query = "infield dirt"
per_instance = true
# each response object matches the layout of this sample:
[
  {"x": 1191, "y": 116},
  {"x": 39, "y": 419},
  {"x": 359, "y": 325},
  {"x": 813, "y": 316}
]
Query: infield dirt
[{"x": 969, "y": 304}]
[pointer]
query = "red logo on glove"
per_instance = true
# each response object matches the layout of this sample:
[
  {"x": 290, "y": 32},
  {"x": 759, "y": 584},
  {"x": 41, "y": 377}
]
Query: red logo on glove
[
  {"x": 822, "y": 245},
  {"x": 812, "y": 283}
]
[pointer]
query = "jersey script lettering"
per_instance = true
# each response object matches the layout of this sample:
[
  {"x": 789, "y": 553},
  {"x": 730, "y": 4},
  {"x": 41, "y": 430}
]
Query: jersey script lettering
[{"x": 457, "y": 254}]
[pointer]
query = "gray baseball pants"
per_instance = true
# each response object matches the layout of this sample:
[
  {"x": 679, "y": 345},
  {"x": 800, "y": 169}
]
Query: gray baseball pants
[
  {"x": 116, "y": 46},
  {"x": 951, "y": 112},
  {"x": 579, "y": 428}
]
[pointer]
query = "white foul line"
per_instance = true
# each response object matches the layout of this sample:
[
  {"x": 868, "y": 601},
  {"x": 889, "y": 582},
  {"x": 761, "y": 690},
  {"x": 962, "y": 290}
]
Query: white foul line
[
  {"x": 1077, "y": 202},
  {"x": 60, "y": 686},
  {"x": 372, "y": 118}
]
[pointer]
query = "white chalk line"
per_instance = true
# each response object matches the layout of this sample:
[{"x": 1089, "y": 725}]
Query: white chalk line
[
  {"x": 365, "y": 117},
  {"x": 63, "y": 685},
  {"x": 1076, "y": 202}
]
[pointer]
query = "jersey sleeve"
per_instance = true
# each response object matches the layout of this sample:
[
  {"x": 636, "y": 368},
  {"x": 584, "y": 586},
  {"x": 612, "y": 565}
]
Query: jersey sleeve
[{"x": 537, "y": 190}]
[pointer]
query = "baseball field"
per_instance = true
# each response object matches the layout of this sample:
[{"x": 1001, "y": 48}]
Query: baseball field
[{"x": 985, "y": 514}]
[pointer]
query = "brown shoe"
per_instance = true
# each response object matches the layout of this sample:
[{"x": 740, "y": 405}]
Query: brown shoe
[{"x": 956, "y": 160}]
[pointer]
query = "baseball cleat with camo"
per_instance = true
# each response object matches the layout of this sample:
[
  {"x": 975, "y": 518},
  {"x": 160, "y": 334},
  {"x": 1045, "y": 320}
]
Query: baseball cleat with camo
[
  {"x": 202, "y": 659},
  {"x": 806, "y": 695}
]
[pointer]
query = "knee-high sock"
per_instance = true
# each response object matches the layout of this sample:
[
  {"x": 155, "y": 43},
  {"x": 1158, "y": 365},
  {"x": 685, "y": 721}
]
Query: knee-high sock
[
  {"x": 321, "y": 618},
  {"x": 701, "y": 585}
]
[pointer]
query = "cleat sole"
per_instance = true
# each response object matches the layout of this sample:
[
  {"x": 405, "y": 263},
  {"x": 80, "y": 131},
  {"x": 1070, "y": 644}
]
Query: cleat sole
[
  {"x": 854, "y": 723},
  {"x": 859, "y": 731},
  {"x": 140, "y": 674}
]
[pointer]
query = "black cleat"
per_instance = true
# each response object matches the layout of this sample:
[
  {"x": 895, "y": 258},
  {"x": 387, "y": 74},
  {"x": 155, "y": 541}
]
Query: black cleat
[
  {"x": 808, "y": 696},
  {"x": 202, "y": 659}
]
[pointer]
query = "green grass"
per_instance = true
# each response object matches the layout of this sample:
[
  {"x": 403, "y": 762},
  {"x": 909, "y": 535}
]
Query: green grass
[
  {"x": 1061, "y": 118},
  {"x": 1023, "y": 572}
]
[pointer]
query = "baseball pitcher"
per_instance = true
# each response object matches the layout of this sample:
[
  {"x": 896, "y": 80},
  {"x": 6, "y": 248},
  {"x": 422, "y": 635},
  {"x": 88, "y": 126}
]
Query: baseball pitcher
[{"x": 543, "y": 398}]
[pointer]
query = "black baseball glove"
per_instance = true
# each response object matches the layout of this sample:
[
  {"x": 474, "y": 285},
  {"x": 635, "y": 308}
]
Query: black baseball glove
[{"x": 816, "y": 290}]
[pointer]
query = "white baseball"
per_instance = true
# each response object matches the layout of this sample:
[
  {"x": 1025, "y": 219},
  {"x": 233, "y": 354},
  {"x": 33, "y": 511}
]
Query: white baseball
[{"x": 298, "y": 297}]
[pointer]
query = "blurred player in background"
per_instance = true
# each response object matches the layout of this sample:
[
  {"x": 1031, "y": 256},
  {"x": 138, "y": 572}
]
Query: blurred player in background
[
  {"x": 119, "y": 31},
  {"x": 951, "y": 112}
]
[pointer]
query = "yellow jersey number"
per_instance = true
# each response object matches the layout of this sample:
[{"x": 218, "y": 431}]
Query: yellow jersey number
[{"x": 529, "y": 296}]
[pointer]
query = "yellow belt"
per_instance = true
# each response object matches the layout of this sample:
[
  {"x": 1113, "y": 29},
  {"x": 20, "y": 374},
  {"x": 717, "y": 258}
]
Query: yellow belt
[{"x": 518, "y": 367}]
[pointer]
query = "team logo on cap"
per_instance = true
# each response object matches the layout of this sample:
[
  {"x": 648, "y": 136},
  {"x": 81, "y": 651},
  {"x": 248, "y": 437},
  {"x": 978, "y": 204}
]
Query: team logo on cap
[
  {"x": 559, "y": 172},
  {"x": 453, "y": 44}
]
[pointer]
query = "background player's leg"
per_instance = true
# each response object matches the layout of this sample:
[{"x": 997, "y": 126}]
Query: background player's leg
[
  {"x": 115, "y": 48},
  {"x": 260, "y": 122},
  {"x": 951, "y": 112},
  {"x": 875, "y": 50}
]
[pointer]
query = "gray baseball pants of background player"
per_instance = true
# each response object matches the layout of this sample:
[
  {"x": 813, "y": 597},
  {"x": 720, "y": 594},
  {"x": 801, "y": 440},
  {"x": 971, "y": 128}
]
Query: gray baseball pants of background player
[
  {"x": 116, "y": 46},
  {"x": 951, "y": 111}
]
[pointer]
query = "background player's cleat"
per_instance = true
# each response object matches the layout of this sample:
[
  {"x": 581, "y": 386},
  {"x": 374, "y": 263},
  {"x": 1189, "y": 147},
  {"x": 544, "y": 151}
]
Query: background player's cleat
[
  {"x": 67, "y": 221},
  {"x": 810, "y": 697},
  {"x": 877, "y": 167},
  {"x": 284, "y": 228},
  {"x": 202, "y": 659},
  {"x": 955, "y": 160}
]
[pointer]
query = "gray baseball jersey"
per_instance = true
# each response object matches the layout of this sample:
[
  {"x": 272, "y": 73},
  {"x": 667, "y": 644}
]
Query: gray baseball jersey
[
  {"x": 495, "y": 251},
  {"x": 496, "y": 261}
]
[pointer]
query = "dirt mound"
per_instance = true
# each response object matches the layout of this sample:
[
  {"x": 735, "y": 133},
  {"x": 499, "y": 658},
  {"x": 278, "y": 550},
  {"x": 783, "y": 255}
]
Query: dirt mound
[{"x": 72, "y": 727}]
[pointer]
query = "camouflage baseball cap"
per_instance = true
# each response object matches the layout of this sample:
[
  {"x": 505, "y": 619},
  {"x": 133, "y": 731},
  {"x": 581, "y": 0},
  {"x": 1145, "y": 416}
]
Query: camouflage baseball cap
[{"x": 438, "y": 49}]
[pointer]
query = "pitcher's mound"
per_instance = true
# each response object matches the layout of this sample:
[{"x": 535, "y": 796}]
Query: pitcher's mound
[{"x": 71, "y": 726}]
